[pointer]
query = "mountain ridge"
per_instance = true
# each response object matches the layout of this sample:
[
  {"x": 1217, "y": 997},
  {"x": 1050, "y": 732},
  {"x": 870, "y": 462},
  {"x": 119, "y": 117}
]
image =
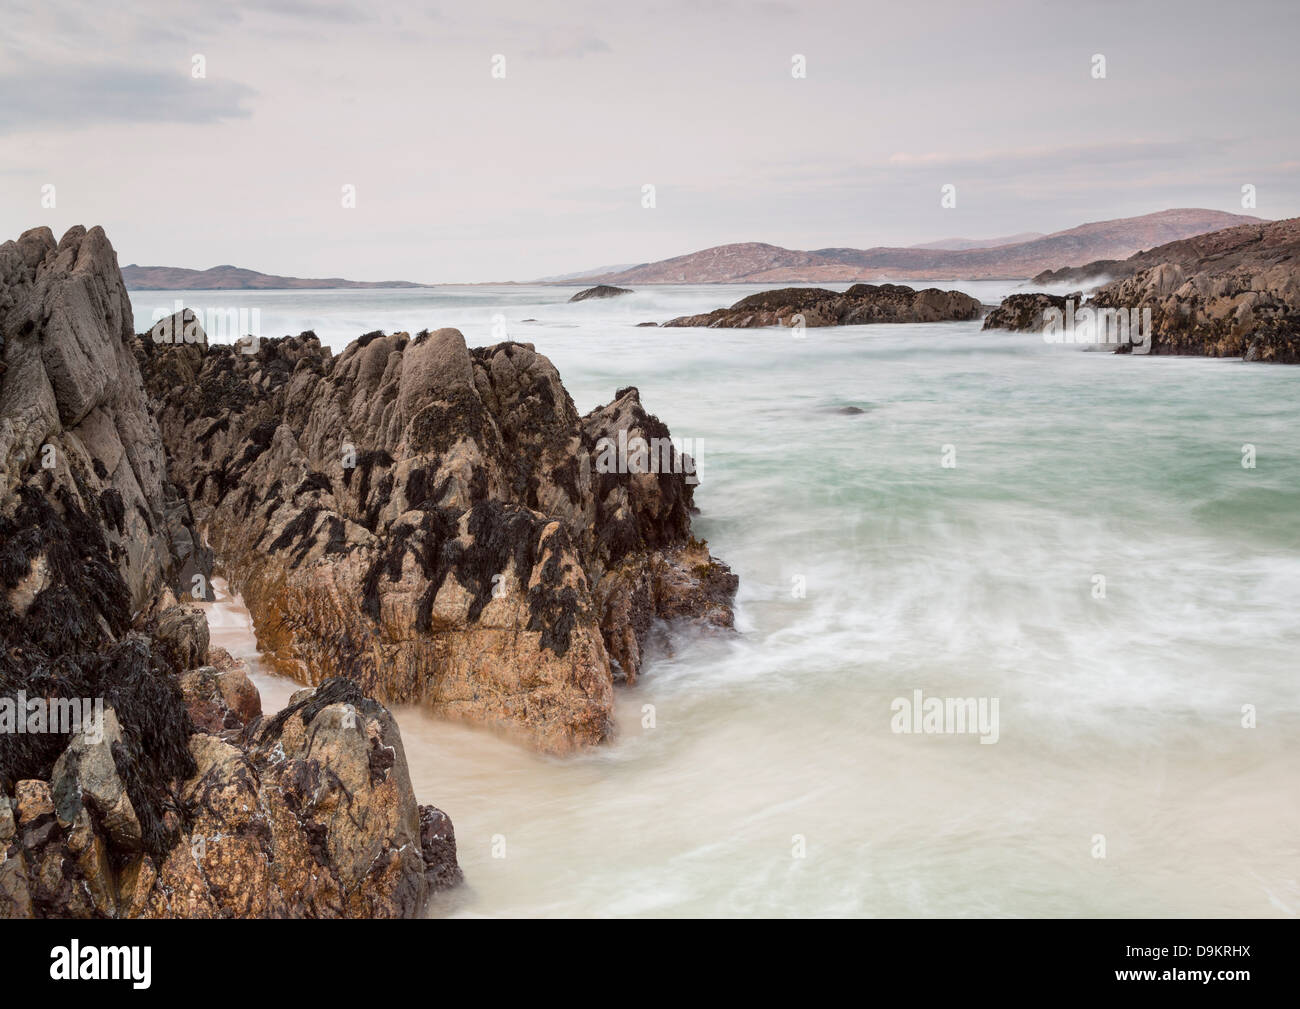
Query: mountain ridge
[
  {"x": 762, "y": 262},
  {"x": 228, "y": 277}
]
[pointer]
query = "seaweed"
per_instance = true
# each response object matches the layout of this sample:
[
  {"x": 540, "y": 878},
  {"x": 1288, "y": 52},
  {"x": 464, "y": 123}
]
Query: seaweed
[
  {"x": 298, "y": 530},
  {"x": 314, "y": 480},
  {"x": 111, "y": 507}
]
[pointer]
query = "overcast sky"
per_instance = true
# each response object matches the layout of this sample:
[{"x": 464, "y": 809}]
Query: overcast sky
[{"x": 461, "y": 176}]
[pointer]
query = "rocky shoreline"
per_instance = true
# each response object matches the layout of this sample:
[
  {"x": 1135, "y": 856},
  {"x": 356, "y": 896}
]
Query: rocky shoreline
[
  {"x": 861, "y": 304},
  {"x": 1230, "y": 293},
  {"x": 429, "y": 522},
  {"x": 413, "y": 521}
]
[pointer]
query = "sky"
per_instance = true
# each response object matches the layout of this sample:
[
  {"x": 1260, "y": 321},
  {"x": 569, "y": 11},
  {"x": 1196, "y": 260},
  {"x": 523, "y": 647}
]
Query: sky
[{"x": 463, "y": 175}]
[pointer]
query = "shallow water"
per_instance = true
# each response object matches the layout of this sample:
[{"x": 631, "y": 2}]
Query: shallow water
[{"x": 1118, "y": 716}]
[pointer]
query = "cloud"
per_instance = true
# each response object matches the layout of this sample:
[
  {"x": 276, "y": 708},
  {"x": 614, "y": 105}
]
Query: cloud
[{"x": 73, "y": 97}]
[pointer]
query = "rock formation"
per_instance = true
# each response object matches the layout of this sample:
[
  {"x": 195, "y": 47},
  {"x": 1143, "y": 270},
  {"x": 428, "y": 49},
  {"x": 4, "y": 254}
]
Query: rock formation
[
  {"x": 599, "y": 291},
  {"x": 432, "y": 522},
  {"x": 1230, "y": 293},
  {"x": 1025, "y": 312},
  {"x": 171, "y": 796},
  {"x": 861, "y": 304},
  {"x": 1233, "y": 293}
]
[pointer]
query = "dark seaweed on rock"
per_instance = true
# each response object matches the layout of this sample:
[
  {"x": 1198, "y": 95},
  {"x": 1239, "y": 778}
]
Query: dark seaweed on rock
[
  {"x": 91, "y": 596},
  {"x": 337, "y": 690},
  {"x": 64, "y": 646},
  {"x": 131, "y": 680}
]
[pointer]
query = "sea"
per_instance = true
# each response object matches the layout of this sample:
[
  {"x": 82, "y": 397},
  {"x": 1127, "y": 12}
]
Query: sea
[{"x": 1094, "y": 558}]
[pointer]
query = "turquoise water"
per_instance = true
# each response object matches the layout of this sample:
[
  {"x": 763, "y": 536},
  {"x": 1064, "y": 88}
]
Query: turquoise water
[{"x": 772, "y": 782}]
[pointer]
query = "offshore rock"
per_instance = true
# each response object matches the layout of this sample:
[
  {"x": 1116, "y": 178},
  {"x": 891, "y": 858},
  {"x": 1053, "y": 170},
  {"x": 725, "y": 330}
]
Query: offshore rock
[{"x": 861, "y": 304}]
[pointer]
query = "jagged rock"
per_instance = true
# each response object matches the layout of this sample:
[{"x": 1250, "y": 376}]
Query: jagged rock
[
  {"x": 179, "y": 327},
  {"x": 86, "y": 775},
  {"x": 74, "y": 421},
  {"x": 861, "y": 304},
  {"x": 314, "y": 817},
  {"x": 683, "y": 583},
  {"x": 53, "y": 867},
  {"x": 424, "y": 519},
  {"x": 1097, "y": 271},
  {"x": 317, "y": 819},
  {"x": 90, "y": 551},
  {"x": 237, "y": 689},
  {"x": 600, "y": 291}
]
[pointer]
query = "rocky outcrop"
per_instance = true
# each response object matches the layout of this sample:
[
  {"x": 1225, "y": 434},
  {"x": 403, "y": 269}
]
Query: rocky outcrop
[
  {"x": 1231, "y": 293},
  {"x": 861, "y": 304},
  {"x": 144, "y": 781},
  {"x": 599, "y": 291},
  {"x": 1025, "y": 312},
  {"x": 75, "y": 428},
  {"x": 431, "y": 522},
  {"x": 308, "y": 815}
]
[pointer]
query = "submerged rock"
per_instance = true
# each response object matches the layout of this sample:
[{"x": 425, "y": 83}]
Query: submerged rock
[
  {"x": 600, "y": 291},
  {"x": 861, "y": 304}
]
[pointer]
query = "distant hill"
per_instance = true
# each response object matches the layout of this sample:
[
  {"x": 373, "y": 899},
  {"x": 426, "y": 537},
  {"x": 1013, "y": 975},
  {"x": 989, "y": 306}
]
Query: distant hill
[
  {"x": 234, "y": 278},
  {"x": 979, "y": 243},
  {"x": 757, "y": 262},
  {"x": 565, "y": 277}
]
